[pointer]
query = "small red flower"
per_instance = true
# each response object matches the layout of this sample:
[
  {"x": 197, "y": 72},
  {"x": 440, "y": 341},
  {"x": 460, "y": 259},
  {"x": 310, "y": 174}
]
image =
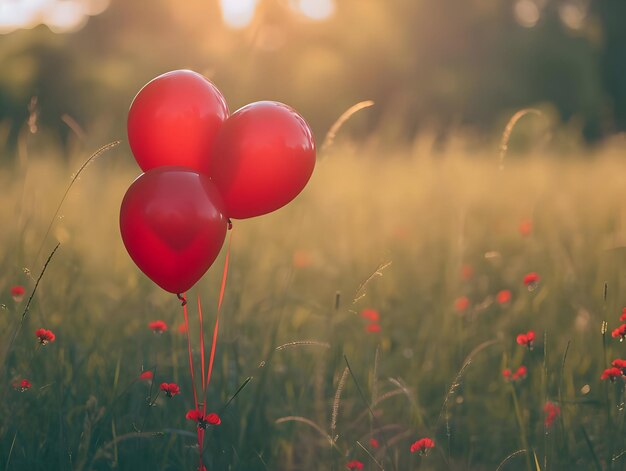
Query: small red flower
[
  {"x": 22, "y": 385},
  {"x": 213, "y": 419},
  {"x": 17, "y": 292},
  {"x": 202, "y": 420},
  {"x": 552, "y": 411},
  {"x": 170, "y": 389},
  {"x": 623, "y": 316},
  {"x": 531, "y": 280},
  {"x": 506, "y": 374},
  {"x": 373, "y": 328},
  {"x": 422, "y": 446},
  {"x": 370, "y": 314},
  {"x": 504, "y": 296},
  {"x": 618, "y": 363},
  {"x": 374, "y": 443},
  {"x": 525, "y": 227},
  {"x": 612, "y": 374},
  {"x": 45, "y": 336},
  {"x": 302, "y": 259},
  {"x": 462, "y": 304},
  {"x": 148, "y": 374},
  {"x": 182, "y": 328},
  {"x": 620, "y": 332},
  {"x": 158, "y": 327},
  {"x": 467, "y": 272},
  {"x": 526, "y": 339},
  {"x": 520, "y": 374},
  {"x": 354, "y": 464}
]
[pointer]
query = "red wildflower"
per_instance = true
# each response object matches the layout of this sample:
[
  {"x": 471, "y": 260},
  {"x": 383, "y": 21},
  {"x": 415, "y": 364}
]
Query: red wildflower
[
  {"x": 373, "y": 328},
  {"x": 526, "y": 339},
  {"x": 621, "y": 364},
  {"x": 213, "y": 419},
  {"x": 422, "y": 446},
  {"x": 531, "y": 280},
  {"x": 623, "y": 316},
  {"x": 620, "y": 332},
  {"x": 467, "y": 272},
  {"x": 148, "y": 374},
  {"x": 374, "y": 443},
  {"x": 552, "y": 411},
  {"x": 22, "y": 385},
  {"x": 170, "y": 389},
  {"x": 525, "y": 227},
  {"x": 17, "y": 292},
  {"x": 354, "y": 464},
  {"x": 302, "y": 259},
  {"x": 612, "y": 374},
  {"x": 158, "y": 327},
  {"x": 202, "y": 420},
  {"x": 504, "y": 296},
  {"x": 462, "y": 303},
  {"x": 520, "y": 374},
  {"x": 45, "y": 336},
  {"x": 370, "y": 314}
]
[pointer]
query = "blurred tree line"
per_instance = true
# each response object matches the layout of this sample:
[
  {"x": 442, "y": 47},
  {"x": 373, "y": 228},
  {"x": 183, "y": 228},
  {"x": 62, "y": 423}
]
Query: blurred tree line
[{"x": 428, "y": 64}]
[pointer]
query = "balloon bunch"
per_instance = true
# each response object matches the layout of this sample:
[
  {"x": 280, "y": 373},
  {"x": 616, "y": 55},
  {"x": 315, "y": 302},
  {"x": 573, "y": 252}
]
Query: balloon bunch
[{"x": 202, "y": 168}]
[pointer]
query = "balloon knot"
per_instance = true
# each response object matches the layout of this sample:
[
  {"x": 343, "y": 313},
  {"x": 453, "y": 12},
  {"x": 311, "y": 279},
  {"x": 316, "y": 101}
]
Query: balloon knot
[
  {"x": 230, "y": 224},
  {"x": 182, "y": 299}
]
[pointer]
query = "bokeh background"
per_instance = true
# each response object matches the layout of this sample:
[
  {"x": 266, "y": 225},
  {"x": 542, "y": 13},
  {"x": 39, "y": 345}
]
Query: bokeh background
[
  {"x": 429, "y": 65},
  {"x": 422, "y": 210}
]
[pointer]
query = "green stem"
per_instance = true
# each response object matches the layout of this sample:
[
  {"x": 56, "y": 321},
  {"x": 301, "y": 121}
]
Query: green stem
[{"x": 520, "y": 423}]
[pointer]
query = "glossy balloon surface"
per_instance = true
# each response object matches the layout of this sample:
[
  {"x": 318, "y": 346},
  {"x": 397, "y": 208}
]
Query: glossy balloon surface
[
  {"x": 172, "y": 225},
  {"x": 174, "y": 119},
  {"x": 263, "y": 157}
]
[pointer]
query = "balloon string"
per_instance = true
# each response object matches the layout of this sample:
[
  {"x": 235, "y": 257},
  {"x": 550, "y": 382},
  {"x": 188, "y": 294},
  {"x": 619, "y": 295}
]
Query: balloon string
[
  {"x": 201, "y": 347},
  {"x": 230, "y": 224},
  {"x": 200, "y": 446},
  {"x": 217, "y": 318},
  {"x": 191, "y": 370},
  {"x": 182, "y": 299}
]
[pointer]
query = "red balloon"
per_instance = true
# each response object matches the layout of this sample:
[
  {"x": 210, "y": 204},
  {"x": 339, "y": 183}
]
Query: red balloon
[
  {"x": 263, "y": 157},
  {"x": 173, "y": 226},
  {"x": 174, "y": 119}
]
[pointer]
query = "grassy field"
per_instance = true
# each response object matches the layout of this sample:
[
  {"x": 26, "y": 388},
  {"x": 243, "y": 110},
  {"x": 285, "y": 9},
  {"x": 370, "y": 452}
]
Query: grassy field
[{"x": 407, "y": 233}]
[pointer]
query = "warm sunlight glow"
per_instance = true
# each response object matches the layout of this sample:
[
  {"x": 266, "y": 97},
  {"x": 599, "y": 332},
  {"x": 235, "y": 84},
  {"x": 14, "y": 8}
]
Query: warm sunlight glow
[
  {"x": 527, "y": 13},
  {"x": 572, "y": 15},
  {"x": 238, "y": 13},
  {"x": 316, "y": 9},
  {"x": 61, "y": 16}
]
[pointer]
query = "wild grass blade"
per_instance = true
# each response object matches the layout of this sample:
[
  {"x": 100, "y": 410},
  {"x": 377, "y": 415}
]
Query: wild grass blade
[
  {"x": 345, "y": 116},
  {"x": 364, "y": 399},
  {"x": 511, "y": 456},
  {"x": 596, "y": 461},
  {"x": 367, "y": 452},
  {"x": 299, "y": 343},
  {"x": 337, "y": 400},
  {"x": 91, "y": 158},
  {"x": 17, "y": 330},
  {"x": 360, "y": 291},
  {"x": 508, "y": 130}
]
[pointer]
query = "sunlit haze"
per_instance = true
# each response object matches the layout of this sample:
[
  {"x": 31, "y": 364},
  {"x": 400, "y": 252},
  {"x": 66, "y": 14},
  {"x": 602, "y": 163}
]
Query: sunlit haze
[
  {"x": 238, "y": 13},
  {"x": 60, "y": 16},
  {"x": 316, "y": 9}
]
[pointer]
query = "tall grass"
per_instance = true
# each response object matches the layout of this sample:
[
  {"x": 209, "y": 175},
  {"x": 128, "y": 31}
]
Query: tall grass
[{"x": 431, "y": 371}]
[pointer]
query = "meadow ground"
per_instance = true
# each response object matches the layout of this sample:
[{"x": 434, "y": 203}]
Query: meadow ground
[{"x": 446, "y": 230}]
